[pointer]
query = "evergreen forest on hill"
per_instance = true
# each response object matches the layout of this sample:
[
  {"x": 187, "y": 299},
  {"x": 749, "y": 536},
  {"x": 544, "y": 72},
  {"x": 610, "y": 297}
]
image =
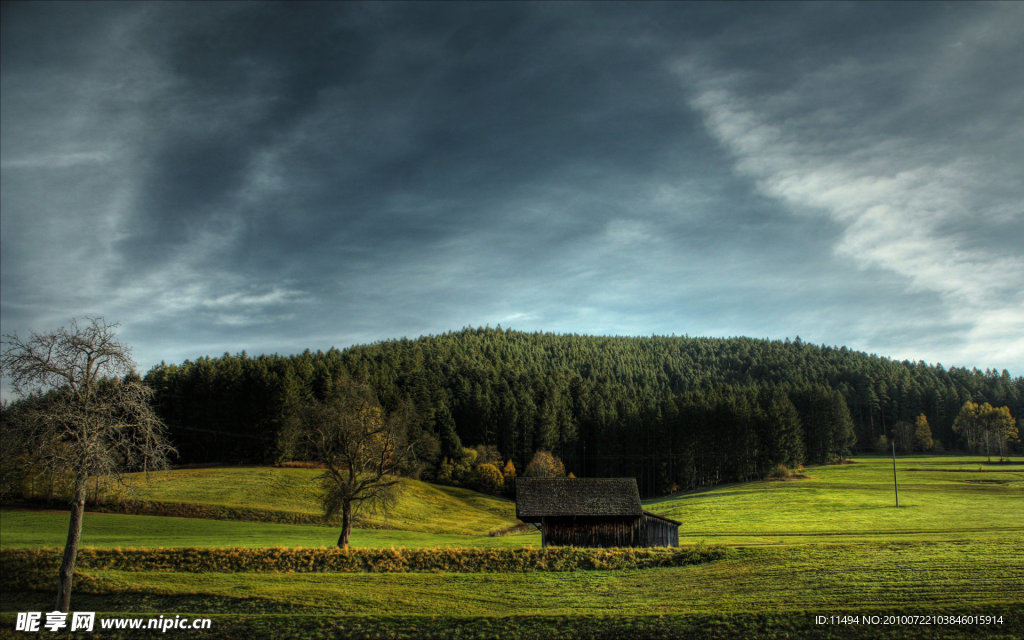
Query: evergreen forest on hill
[{"x": 674, "y": 412}]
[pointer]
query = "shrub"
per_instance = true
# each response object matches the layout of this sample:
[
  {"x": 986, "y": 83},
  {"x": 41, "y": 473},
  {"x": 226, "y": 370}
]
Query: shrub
[
  {"x": 298, "y": 464},
  {"x": 488, "y": 479},
  {"x": 779, "y": 471},
  {"x": 881, "y": 444}
]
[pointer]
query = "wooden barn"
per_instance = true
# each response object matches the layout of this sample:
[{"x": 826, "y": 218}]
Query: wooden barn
[{"x": 591, "y": 512}]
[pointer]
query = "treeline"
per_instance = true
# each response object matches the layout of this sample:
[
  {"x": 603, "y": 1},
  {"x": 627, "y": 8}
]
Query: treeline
[{"x": 675, "y": 412}]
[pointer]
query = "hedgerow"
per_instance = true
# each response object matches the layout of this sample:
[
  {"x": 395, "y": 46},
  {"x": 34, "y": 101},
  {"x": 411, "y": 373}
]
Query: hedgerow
[
  {"x": 216, "y": 512},
  {"x": 24, "y": 567},
  {"x": 204, "y": 511}
]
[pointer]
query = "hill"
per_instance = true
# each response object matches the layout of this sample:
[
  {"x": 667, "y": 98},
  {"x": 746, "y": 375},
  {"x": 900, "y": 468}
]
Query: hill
[
  {"x": 280, "y": 492},
  {"x": 674, "y": 412},
  {"x": 268, "y": 507}
]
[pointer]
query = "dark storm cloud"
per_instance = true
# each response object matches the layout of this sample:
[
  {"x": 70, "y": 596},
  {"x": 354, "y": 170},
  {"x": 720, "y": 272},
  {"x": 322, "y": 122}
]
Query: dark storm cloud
[
  {"x": 400, "y": 136},
  {"x": 275, "y": 177}
]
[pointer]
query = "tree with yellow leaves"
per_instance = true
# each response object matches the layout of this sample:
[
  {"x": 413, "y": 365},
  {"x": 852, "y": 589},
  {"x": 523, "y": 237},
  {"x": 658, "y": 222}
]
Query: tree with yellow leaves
[
  {"x": 544, "y": 465},
  {"x": 923, "y": 434},
  {"x": 985, "y": 426},
  {"x": 488, "y": 479}
]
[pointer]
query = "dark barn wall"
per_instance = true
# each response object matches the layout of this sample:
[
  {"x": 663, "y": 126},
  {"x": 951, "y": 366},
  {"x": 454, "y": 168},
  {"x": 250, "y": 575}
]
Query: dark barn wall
[
  {"x": 655, "y": 532},
  {"x": 592, "y": 531},
  {"x": 609, "y": 531}
]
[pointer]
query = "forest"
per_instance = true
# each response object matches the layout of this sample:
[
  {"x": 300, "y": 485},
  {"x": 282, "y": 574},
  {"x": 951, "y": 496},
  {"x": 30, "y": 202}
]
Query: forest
[{"x": 675, "y": 412}]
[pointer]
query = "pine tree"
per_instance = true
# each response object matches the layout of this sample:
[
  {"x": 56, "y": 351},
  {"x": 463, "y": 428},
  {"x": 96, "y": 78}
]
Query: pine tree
[
  {"x": 785, "y": 443},
  {"x": 843, "y": 435}
]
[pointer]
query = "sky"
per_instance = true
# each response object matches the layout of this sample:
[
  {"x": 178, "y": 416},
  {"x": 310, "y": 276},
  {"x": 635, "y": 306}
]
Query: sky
[{"x": 219, "y": 177}]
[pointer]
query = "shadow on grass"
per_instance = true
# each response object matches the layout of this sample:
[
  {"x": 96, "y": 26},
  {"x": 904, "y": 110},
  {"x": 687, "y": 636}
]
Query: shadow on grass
[{"x": 140, "y": 603}]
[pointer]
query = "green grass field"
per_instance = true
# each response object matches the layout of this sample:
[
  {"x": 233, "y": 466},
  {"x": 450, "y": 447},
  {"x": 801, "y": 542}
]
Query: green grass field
[
  {"x": 420, "y": 506},
  {"x": 20, "y": 528},
  {"x": 830, "y": 544},
  {"x": 938, "y": 496}
]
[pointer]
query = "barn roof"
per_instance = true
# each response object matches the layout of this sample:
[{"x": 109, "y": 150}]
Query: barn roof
[
  {"x": 546, "y": 497},
  {"x": 662, "y": 518}
]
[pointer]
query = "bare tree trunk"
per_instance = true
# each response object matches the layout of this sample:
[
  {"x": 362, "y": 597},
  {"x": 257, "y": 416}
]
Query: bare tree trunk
[
  {"x": 346, "y": 525},
  {"x": 67, "y": 565}
]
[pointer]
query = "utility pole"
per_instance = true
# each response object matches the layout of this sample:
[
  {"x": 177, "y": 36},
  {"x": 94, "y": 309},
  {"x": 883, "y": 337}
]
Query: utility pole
[{"x": 895, "y": 486}]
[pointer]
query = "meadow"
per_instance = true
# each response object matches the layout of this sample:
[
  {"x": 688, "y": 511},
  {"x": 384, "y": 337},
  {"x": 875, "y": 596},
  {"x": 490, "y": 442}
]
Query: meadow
[
  {"x": 281, "y": 494},
  {"x": 829, "y": 544}
]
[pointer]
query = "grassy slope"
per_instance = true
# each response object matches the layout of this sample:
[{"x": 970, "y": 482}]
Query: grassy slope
[
  {"x": 420, "y": 507},
  {"x": 424, "y": 515}
]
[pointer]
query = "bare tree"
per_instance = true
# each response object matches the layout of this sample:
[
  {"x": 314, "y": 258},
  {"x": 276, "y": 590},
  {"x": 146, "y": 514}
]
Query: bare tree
[
  {"x": 363, "y": 450},
  {"x": 90, "y": 415}
]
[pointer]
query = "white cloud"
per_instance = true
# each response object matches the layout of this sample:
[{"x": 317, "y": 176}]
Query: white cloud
[{"x": 901, "y": 202}]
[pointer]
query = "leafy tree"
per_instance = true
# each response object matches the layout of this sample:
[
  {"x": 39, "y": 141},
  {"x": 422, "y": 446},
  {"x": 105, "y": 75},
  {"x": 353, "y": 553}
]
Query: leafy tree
[
  {"x": 998, "y": 427},
  {"x": 903, "y": 433},
  {"x": 89, "y": 417},
  {"x": 488, "y": 479},
  {"x": 985, "y": 426},
  {"x": 968, "y": 425},
  {"x": 509, "y": 472},
  {"x": 488, "y": 454},
  {"x": 923, "y": 434},
  {"x": 544, "y": 465},
  {"x": 462, "y": 466},
  {"x": 364, "y": 449}
]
